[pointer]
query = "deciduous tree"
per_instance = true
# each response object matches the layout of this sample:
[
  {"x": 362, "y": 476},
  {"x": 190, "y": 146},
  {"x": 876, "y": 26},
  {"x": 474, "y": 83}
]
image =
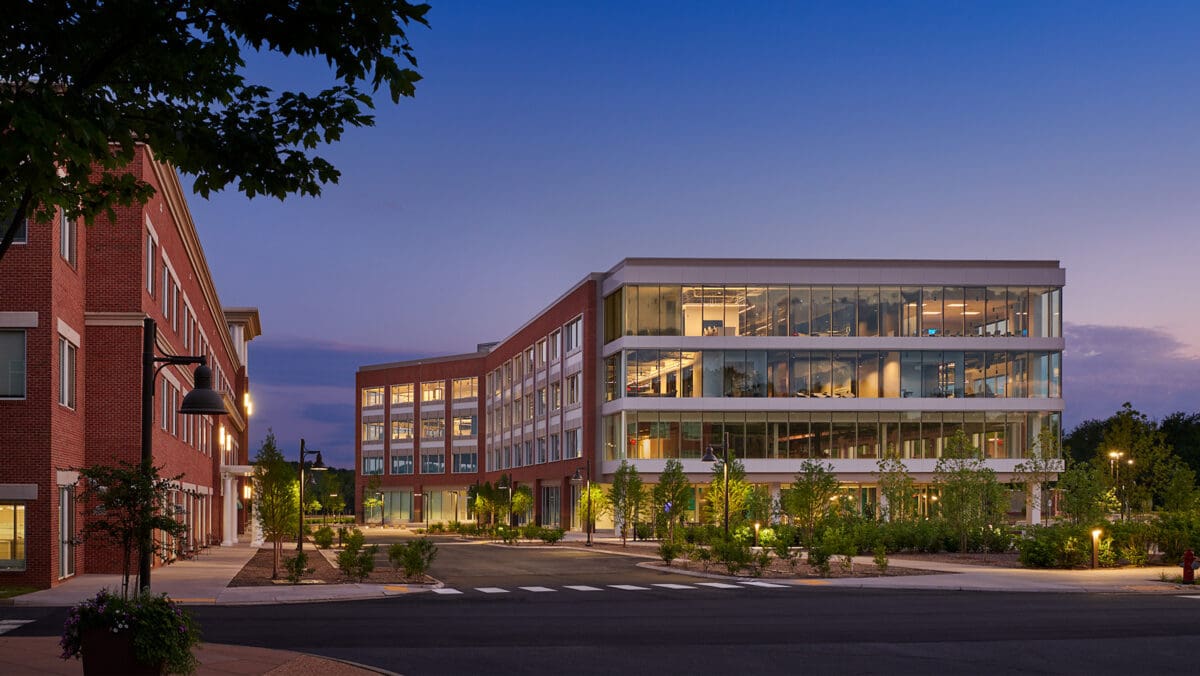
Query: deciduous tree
[
  {"x": 86, "y": 81},
  {"x": 625, "y": 495},
  {"x": 276, "y": 497},
  {"x": 671, "y": 495},
  {"x": 807, "y": 499},
  {"x": 971, "y": 498}
]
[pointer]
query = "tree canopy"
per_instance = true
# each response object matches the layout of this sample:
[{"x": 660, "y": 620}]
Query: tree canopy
[{"x": 86, "y": 81}]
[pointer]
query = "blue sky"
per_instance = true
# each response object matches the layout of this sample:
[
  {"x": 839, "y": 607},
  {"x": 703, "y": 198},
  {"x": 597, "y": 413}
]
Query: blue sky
[{"x": 549, "y": 140}]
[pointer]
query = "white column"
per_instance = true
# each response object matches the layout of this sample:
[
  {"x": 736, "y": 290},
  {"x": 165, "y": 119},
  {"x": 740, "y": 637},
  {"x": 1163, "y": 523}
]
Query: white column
[
  {"x": 775, "y": 497},
  {"x": 1035, "y": 504},
  {"x": 229, "y": 513},
  {"x": 883, "y": 506}
]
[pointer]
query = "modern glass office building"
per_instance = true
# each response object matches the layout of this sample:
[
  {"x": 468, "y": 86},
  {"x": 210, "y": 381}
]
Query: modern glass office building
[{"x": 782, "y": 361}]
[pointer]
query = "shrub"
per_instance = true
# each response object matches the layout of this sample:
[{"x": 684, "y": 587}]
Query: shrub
[
  {"x": 838, "y": 542},
  {"x": 643, "y": 531},
  {"x": 704, "y": 557},
  {"x": 323, "y": 537},
  {"x": 1058, "y": 546},
  {"x": 668, "y": 551},
  {"x": 296, "y": 567},
  {"x": 508, "y": 534},
  {"x": 551, "y": 535},
  {"x": 414, "y": 557},
  {"x": 1108, "y": 556},
  {"x": 766, "y": 538},
  {"x": 733, "y": 553},
  {"x": 355, "y": 560},
  {"x": 818, "y": 558},
  {"x": 1176, "y": 532},
  {"x": 760, "y": 561},
  {"x": 783, "y": 552},
  {"x": 881, "y": 558},
  {"x": 531, "y": 531}
]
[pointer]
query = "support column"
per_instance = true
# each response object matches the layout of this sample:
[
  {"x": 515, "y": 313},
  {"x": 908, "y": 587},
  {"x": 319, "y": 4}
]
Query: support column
[
  {"x": 883, "y": 507},
  {"x": 228, "y": 512},
  {"x": 1035, "y": 505}
]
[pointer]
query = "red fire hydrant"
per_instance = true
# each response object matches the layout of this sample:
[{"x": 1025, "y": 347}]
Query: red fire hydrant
[{"x": 1189, "y": 567}]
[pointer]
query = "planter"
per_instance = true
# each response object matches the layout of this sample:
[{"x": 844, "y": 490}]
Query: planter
[{"x": 105, "y": 653}]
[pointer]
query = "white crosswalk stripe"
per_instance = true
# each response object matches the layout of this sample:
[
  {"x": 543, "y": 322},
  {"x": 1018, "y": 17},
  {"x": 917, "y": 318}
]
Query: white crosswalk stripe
[
  {"x": 8, "y": 625},
  {"x": 1190, "y": 597}
]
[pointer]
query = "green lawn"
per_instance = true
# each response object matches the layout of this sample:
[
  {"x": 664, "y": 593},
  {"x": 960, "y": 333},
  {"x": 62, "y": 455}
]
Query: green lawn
[{"x": 9, "y": 592}]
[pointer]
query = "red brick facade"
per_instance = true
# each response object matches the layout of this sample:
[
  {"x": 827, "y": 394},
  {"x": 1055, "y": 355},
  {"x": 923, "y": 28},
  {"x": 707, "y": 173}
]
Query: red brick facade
[
  {"x": 98, "y": 304},
  {"x": 580, "y": 302}
]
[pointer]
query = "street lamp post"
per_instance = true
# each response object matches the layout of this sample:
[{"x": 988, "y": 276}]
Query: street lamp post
[
  {"x": 202, "y": 400},
  {"x": 579, "y": 478},
  {"x": 1095, "y": 548},
  {"x": 317, "y": 467},
  {"x": 710, "y": 456}
]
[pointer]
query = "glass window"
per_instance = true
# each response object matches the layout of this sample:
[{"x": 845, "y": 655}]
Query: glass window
[
  {"x": 974, "y": 306},
  {"x": 1055, "y": 375},
  {"x": 555, "y": 345},
  {"x": 910, "y": 374},
  {"x": 614, "y": 317},
  {"x": 868, "y": 311},
  {"x": 867, "y": 441},
  {"x": 530, "y": 361},
  {"x": 1018, "y": 310},
  {"x": 668, "y": 378},
  {"x": 12, "y": 536},
  {"x": 555, "y": 448},
  {"x": 372, "y": 397},
  {"x": 714, "y": 373},
  {"x": 401, "y": 464},
  {"x": 1018, "y": 374},
  {"x": 931, "y": 374},
  {"x": 757, "y": 315},
  {"x": 574, "y": 389},
  {"x": 801, "y": 304},
  {"x": 12, "y": 364},
  {"x": 952, "y": 313},
  {"x": 433, "y": 463},
  {"x": 910, "y": 311},
  {"x": 714, "y": 311},
  {"x": 778, "y": 367},
  {"x": 931, "y": 311},
  {"x": 463, "y": 426},
  {"x": 869, "y": 381},
  {"x": 950, "y": 375},
  {"x": 402, "y": 430},
  {"x": 737, "y": 377},
  {"x": 889, "y": 311},
  {"x": 372, "y": 432},
  {"x": 433, "y": 428},
  {"x": 66, "y": 372},
  {"x": 66, "y": 240},
  {"x": 151, "y": 263},
  {"x": 844, "y": 370},
  {"x": 822, "y": 309},
  {"x": 372, "y": 465},
  {"x": 974, "y": 374},
  {"x": 465, "y": 388},
  {"x": 22, "y": 234},
  {"x": 555, "y": 396},
  {"x": 693, "y": 310},
  {"x": 1042, "y": 312},
  {"x": 435, "y": 391},
  {"x": 777, "y": 304},
  {"x": 843, "y": 308},
  {"x": 631, "y": 310},
  {"x": 821, "y": 440},
  {"x": 574, "y": 443},
  {"x": 735, "y": 307},
  {"x": 820, "y": 366},
  {"x": 996, "y": 312},
  {"x": 799, "y": 437},
  {"x": 402, "y": 394},
  {"x": 649, "y": 311},
  {"x": 800, "y": 383},
  {"x": 996, "y": 378},
  {"x": 573, "y": 335},
  {"x": 691, "y": 374}
]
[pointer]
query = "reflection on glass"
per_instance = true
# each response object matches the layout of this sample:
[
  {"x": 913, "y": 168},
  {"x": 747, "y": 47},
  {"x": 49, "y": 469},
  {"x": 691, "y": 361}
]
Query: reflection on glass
[
  {"x": 843, "y": 435},
  {"x": 714, "y": 373},
  {"x": 822, "y": 308},
  {"x": 756, "y": 316},
  {"x": 778, "y": 302},
  {"x": 974, "y": 305},
  {"x": 669, "y": 310},
  {"x": 777, "y": 374},
  {"x": 845, "y": 367},
  {"x": 910, "y": 310},
  {"x": 631, "y": 310},
  {"x": 973, "y": 373},
  {"x": 910, "y": 374},
  {"x": 801, "y": 383},
  {"x": 867, "y": 444},
  {"x": 953, "y": 306},
  {"x": 868, "y": 375},
  {"x": 801, "y": 304},
  {"x": 889, "y": 311},
  {"x": 820, "y": 368},
  {"x": 868, "y": 311},
  {"x": 843, "y": 309},
  {"x": 931, "y": 311},
  {"x": 690, "y": 374}
]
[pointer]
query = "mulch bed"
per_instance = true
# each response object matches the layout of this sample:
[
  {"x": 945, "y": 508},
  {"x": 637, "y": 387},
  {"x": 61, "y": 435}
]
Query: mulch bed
[
  {"x": 780, "y": 570},
  {"x": 1002, "y": 560},
  {"x": 257, "y": 571}
]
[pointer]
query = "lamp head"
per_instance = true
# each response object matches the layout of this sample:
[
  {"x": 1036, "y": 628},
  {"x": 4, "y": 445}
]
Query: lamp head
[
  {"x": 709, "y": 456},
  {"x": 319, "y": 465},
  {"x": 203, "y": 399}
]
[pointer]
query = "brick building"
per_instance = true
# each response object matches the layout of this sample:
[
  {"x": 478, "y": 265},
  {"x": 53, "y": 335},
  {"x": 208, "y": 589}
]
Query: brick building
[
  {"x": 772, "y": 361},
  {"x": 72, "y": 304}
]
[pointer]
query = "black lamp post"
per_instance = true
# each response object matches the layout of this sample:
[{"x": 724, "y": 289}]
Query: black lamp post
[
  {"x": 202, "y": 400},
  {"x": 317, "y": 467},
  {"x": 710, "y": 456},
  {"x": 579, "y": 478}
]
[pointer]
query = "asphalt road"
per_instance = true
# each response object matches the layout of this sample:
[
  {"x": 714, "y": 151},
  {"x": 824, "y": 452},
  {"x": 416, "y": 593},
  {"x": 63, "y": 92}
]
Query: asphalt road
[
  {"x": 747, "y": 630},
  {"x": 474, "y": 564}
]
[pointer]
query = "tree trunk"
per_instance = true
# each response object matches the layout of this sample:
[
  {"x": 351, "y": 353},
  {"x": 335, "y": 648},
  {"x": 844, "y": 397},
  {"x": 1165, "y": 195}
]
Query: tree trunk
[{"x": 276, "y": 551}]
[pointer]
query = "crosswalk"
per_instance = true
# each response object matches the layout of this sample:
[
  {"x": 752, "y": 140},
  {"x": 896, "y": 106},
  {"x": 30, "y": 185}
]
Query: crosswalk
[
  {"x": 669, "y": 586},
  {"x": 8, "y": 625}
]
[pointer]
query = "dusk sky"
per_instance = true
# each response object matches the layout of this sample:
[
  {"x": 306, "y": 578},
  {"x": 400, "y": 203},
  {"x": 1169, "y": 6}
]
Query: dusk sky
[{"x": 550, "y": 140}]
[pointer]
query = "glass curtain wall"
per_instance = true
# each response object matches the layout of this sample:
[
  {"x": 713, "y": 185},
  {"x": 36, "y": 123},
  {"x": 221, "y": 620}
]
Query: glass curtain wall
[
  {"x": 655, "y": 435},
  {"x": 735, "y": 310},
  {"x": 868, "y": 374}
]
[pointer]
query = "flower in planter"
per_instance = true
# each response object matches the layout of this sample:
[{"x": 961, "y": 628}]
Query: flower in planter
[{"x": 162, "y": 634}]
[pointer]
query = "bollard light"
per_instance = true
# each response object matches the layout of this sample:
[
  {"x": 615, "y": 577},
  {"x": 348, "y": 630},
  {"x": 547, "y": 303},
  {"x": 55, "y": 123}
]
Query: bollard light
[{"x": 1095, "y": 547}]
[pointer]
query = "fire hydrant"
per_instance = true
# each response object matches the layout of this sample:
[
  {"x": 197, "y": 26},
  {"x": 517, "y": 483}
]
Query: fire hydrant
[{"x": 1190, "y": 564}]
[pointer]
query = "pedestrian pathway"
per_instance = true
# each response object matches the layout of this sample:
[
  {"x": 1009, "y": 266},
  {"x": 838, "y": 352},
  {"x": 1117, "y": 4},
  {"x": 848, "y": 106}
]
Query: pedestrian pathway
[{"x": 658, "y": 586}]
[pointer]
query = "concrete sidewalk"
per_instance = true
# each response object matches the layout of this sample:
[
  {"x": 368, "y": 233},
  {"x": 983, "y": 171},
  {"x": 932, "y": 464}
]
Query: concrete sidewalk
[{"x": 40, "y": 655}]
